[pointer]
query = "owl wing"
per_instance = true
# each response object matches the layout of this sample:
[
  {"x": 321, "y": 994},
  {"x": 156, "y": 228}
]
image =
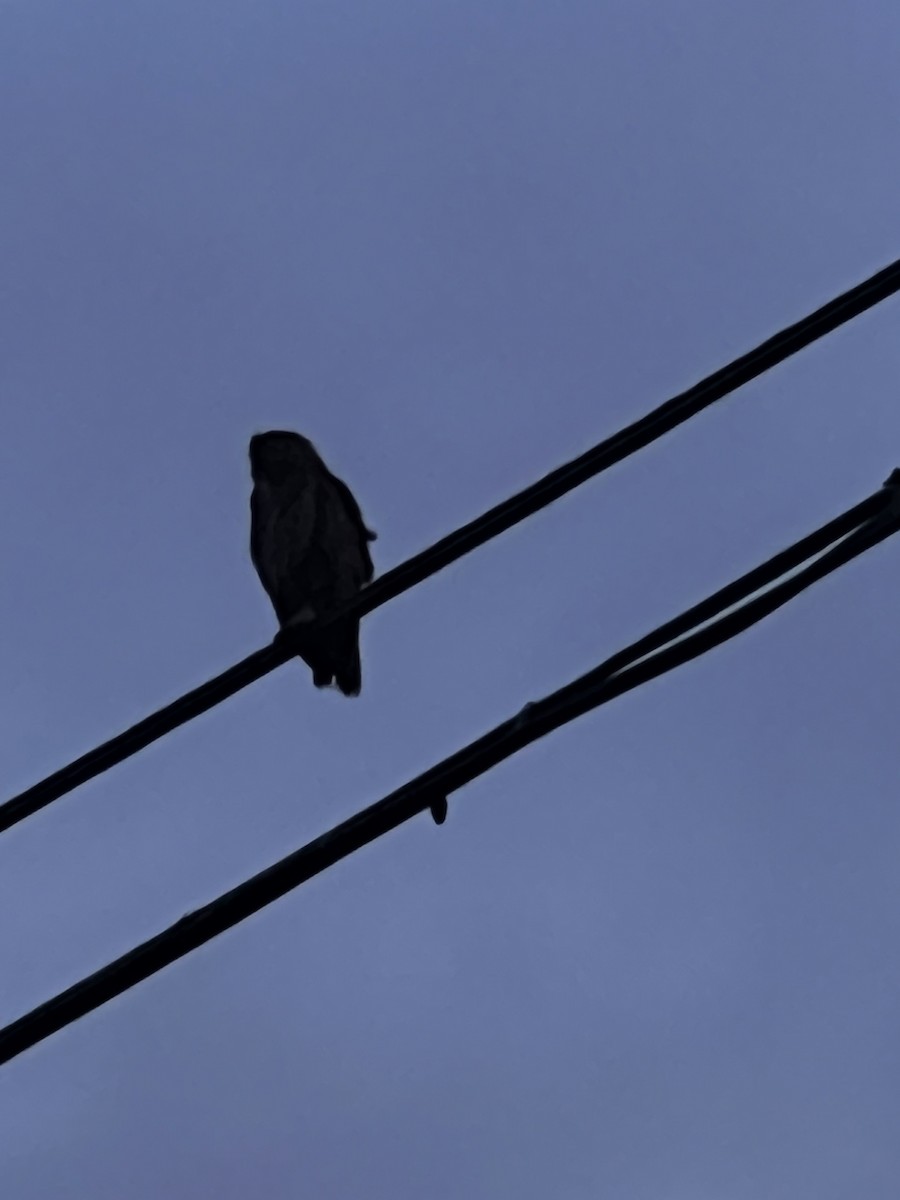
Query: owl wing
[
  {"x": 282, "y": 539},
  {"x": 341, "y": 537},
  {"x": 337, "y": 567},
  {"x": 363, "y": 535}
]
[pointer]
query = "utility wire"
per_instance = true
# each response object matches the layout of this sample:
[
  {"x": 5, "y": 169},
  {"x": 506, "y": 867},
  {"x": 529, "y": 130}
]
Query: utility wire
[
  {"x": 849, "y": 535},
  {"x": 468, "y": 537}
]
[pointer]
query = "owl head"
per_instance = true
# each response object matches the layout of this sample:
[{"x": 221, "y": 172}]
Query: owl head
[{"x": 280, "y": 454}]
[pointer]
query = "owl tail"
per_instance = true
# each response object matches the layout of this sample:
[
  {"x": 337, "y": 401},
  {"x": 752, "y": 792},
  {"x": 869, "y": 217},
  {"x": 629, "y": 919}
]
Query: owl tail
[
  {"x": 347, "y": 669},
  {"x": 335, "y": 657}
]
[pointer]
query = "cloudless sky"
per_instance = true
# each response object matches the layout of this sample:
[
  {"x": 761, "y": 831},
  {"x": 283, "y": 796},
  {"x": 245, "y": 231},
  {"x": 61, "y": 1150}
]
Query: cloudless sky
[{"x": 655, "y": 956}]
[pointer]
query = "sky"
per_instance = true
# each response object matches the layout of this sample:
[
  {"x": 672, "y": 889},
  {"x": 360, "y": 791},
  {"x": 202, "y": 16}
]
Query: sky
[{"x": 654, "y": 956}]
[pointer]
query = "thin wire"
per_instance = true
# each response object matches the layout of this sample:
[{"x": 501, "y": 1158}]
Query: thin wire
[
  {"x": 590, "y": 691},
  {"x": 465, "y": 539}
]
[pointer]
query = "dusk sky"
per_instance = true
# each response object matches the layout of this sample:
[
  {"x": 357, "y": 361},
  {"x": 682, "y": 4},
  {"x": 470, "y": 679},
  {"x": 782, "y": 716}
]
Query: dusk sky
[{"x": 656, "y": 955}]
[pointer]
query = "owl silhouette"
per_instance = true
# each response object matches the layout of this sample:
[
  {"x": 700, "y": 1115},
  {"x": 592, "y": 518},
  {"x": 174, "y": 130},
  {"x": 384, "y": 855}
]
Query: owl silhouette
[{"x": 310, "y": 547}]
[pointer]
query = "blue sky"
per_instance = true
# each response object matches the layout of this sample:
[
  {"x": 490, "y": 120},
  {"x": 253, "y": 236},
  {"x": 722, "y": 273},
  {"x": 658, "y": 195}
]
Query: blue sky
[{"x": 655, "y": 955}]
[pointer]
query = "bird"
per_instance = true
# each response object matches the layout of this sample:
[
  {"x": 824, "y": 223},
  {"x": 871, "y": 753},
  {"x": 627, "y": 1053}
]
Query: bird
[{"x": 310, "y": 547}]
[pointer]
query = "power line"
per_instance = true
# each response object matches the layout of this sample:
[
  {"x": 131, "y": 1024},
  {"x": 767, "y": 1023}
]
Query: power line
[
  {"x": 465, "y": 539},
  {"x": 848, "y": 536}
]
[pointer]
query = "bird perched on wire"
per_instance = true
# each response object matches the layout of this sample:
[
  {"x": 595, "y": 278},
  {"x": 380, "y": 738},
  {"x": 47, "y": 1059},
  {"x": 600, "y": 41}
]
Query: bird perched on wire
[{"x": 309, "y": 545}]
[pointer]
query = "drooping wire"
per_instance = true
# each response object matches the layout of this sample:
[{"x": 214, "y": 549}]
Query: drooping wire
[{"x": 706, "y": 625}]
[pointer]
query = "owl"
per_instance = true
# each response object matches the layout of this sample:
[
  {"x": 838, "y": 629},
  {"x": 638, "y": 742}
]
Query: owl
[{"x": 310, "y": 548}]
